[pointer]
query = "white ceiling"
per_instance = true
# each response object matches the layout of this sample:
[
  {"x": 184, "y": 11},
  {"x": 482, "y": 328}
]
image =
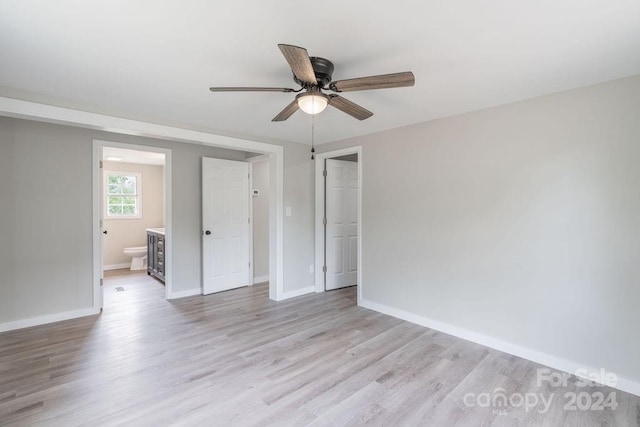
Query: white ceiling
[
  {"x": 115, "y": 154},
  {"x": 155, "y": 60}
]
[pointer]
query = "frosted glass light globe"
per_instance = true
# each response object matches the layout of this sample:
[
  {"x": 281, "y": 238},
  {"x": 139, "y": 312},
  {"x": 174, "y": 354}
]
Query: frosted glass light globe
[{"x": 313, "y": 103}]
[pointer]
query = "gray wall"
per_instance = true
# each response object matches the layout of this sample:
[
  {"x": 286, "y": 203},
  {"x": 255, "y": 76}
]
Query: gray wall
[
  {"x": 45, "y": 221},
  {"x": 261, "y": 219},
  {"x": 299, "y": 227},
  {"x": 520, "y": 222},
  {"x": 46, "y": 212}
]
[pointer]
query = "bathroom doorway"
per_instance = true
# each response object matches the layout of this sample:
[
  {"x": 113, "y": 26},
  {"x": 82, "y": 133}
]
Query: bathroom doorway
[{"x": 134, "y": 210}]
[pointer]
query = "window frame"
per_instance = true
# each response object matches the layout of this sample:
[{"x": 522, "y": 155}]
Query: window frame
[{"x": 105, "y": 195}]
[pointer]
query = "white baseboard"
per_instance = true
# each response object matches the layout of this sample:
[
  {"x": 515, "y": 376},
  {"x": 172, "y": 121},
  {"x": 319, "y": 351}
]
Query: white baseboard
[
  {"x": 298, "y": 292},
  {"x": 51, "y": 318},
  {"x": 549, "y": 360},
  {"x": 260, "y": 279},
  {"x": 116, "y": 266},
  {"x": 184, "y": 294}
]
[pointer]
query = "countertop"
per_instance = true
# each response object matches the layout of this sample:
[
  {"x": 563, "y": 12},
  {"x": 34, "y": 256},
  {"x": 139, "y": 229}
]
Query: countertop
[{"x": 156, "y": 230}]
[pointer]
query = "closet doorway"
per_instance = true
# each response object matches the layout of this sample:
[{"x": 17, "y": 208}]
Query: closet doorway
[{"x": 339, "y": 220}]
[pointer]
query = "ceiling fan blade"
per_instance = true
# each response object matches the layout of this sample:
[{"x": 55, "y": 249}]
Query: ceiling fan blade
[
  {"x": 349, "y": 107},
  {"x": 299, "y": 61},
  {"x": 374, "y": 82},
  {"x": 251, "y": 89},
  {"x": 287, "y": 112}
]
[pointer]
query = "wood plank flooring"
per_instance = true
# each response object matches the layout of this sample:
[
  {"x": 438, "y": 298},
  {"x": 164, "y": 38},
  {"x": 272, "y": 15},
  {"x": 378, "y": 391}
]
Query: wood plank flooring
[{"x": 236, "y": 358}]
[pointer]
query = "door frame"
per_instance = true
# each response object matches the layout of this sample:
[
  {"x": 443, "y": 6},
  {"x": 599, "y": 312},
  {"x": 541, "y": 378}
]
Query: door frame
[
  {"x": 320, "y": 208},
  {"x": 98, "y": 145}
]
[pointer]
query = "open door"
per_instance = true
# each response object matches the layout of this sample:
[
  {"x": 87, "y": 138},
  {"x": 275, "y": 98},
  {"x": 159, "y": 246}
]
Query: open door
[
  {"x": 341, "y": 236},
  {"x": 225, "y": 221},
  {"x": 99, "y": 261}
]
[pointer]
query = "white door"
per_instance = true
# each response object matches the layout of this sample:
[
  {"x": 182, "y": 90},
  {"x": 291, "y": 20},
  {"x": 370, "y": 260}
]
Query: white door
[
  {"x": 99, "y": 299},
  {"x": 341, "y": 238},
  {"x": 225, "y": 221}
]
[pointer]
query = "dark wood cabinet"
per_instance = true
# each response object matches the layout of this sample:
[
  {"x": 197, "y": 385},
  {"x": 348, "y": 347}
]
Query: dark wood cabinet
[{"x": 155, "y": 254}]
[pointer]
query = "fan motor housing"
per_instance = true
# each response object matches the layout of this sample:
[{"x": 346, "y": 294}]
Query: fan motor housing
[{"x": 323, "y": 69}]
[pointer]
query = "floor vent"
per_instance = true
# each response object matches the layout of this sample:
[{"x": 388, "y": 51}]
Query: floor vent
[{"x": 119, "y": 289}]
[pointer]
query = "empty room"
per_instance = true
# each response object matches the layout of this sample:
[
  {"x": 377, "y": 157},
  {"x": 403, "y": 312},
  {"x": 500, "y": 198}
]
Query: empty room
[{"x": 346, "y": 213}]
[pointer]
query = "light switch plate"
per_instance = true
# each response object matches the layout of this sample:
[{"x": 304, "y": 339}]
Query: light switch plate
[{"x": 287, "y": 211}]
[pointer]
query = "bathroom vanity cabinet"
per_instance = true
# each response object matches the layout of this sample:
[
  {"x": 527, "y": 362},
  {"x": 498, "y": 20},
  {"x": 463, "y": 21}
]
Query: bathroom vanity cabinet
[{"x": 155, "y": 253}]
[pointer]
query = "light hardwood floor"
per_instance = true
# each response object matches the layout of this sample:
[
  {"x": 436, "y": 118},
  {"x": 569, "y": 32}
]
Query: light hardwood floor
[{"x": 236, "y": 358}]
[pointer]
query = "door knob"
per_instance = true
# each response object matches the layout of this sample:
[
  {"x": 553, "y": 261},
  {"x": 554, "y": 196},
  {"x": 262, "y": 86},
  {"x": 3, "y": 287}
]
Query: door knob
[
  {"x": 207, "y": 232},
  {"x": 104, "y": 232}
]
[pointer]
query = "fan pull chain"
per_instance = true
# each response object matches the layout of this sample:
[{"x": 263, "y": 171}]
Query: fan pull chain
[{"x": 313, "y": 131}]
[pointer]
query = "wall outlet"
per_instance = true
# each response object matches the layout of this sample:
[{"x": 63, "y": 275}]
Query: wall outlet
[
  {"x": 287, "y": 211},
  {"x": 311, "y": 269}
]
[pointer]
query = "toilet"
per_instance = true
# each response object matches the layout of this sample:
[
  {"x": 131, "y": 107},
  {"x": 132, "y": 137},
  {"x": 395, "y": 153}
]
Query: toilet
[{"x": 138, "y": 256}]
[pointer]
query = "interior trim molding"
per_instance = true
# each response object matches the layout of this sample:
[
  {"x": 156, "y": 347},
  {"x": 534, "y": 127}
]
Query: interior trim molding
[
  {"x": 22, "y": 109},
  {"x": 299, "y": 292},
  {"x": 50, "y": 318},
  {"x": 184, "y": 294},
  {"x": 117, "y": 266},
  {"x": 260, "y": 279},
  {"x": 258, "y": 159},
  {"x": 546, "y": 359}
]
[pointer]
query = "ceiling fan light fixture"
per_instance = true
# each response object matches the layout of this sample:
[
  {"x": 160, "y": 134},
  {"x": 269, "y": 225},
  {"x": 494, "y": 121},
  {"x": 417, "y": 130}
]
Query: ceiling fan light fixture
[
  {"x": 313, "y": 103},
  {"x": 314, "y": 74}
]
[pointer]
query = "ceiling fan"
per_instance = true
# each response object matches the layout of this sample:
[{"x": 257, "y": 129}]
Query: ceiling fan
[{"x": 313, "y": 74}]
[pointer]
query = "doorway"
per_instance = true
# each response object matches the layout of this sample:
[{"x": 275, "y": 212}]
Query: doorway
[
  {"x": 226, "y": 225},
  {"x": 339, "y": 220},
  {"x": 235, "y": 253},
  {"x": 132, "y": 204},
  {"x": 259, "y": 184}
]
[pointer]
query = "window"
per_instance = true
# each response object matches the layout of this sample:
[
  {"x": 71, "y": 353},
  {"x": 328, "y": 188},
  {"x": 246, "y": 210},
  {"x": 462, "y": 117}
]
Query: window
[{"x": 122, "y": 195}]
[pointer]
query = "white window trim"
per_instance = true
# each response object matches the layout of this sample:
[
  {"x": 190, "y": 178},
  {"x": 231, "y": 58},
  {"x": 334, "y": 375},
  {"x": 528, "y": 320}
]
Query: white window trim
[{"x": 105, "y": 186}]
